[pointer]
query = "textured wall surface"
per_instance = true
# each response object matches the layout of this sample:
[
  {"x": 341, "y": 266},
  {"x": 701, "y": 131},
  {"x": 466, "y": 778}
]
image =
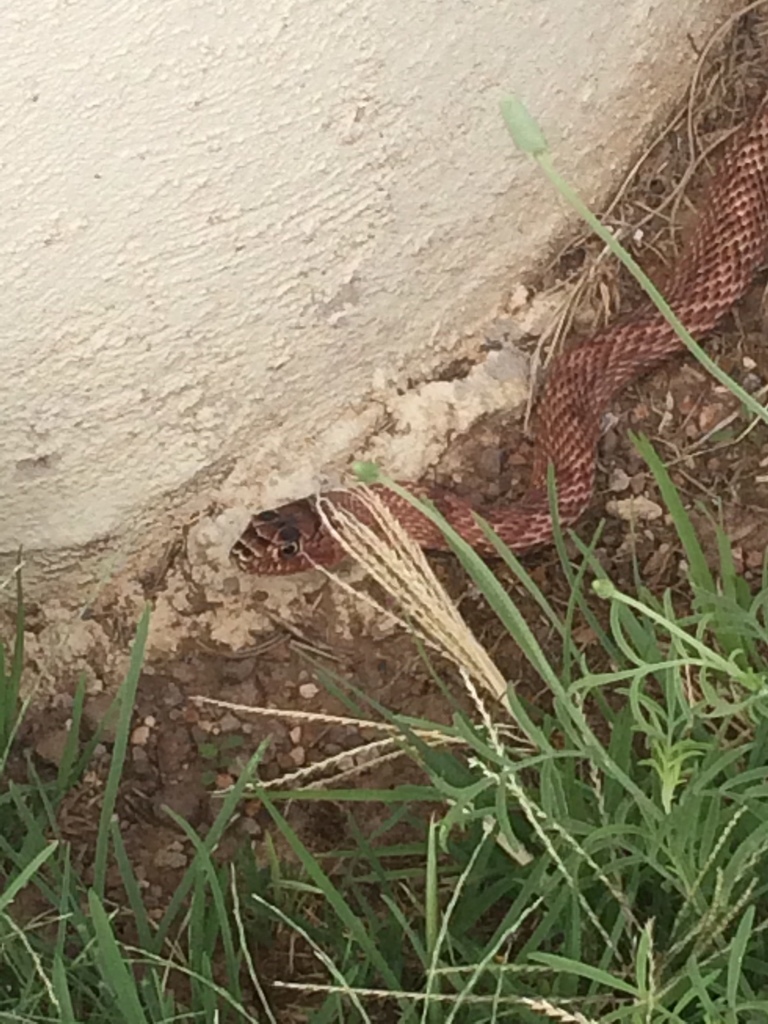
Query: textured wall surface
[{"x": 228, "y": 227}]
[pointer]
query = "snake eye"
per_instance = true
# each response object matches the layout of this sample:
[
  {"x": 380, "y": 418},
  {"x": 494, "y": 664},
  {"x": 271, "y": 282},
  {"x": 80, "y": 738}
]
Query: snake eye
[
  {"x": 268, "y": 516},
  {"x": 290, "y": 534},
  {"x": 289, "y": 550}
]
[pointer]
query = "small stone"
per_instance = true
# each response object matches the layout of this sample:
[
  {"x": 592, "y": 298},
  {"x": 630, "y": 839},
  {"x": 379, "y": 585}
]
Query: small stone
[
  {"x": 637, "y": 482},
  {"x": 634, "y": 509},
  {"x": 295, "y": 735},
  {"x": 308, "y": 690},
  {"x": 711, "y": 416},
  {"x": 488, "y": 463},
  {"x": 191, "y": 714},
  {"x": 150, "y": 721},
  {"x": 754, "y": 559},
  {"x": 640, "y": 413},
  {"x": 140, "y": 759},
  {"x": 299, "y": 756},
  {"x": 185, "y": 797},
  {"x": 345, "y": 735},
  {"x": 619, "y": 481},
  {"x": 172, "y": 694},
  {"x": 52, "y": 745},
  {"x": 224, "y": 780},
  {"x": 609, "y": 442},
  {"x": 101, "y": 712},
  {"x": 140, "y": 735},
  {"x": 170, "y": 859},
  {"x": 229, "y": 722}
]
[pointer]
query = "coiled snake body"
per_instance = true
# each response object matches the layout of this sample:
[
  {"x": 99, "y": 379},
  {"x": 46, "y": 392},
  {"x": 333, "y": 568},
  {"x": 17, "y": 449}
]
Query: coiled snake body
[{"x": 715, "y": 268}]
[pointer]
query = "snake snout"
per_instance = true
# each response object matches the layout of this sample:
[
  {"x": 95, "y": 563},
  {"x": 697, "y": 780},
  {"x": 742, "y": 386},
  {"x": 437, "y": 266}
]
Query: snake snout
[{"x": 274, "y": 540}]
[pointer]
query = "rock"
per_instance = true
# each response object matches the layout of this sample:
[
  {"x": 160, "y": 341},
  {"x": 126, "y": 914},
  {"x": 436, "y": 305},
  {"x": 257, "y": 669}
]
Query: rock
[
  {"x": 174, "y": 752},
  {"x": 171, "y": 694},
  {"x": 185, "y": 797},
  {"x": 619, "y": 481},
  {"x": 140, "y": 735},
  {"x": 170, "y": 858},
  {"x": 140, "y": 759},
  {"x": 637, "y": 509},
  {"x": 52, "y": 745},
  {"x": 299, "y": 756},
  {"x": 101, "y": 712},
  {"x": 637, "y": 482}
]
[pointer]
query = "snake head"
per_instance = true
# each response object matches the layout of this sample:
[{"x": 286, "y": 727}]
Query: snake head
[{"x": 285, "y": 540}]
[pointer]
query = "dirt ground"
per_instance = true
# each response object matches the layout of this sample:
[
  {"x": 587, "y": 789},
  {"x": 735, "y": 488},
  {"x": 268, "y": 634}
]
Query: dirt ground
[{"x": 182, "y": 753}]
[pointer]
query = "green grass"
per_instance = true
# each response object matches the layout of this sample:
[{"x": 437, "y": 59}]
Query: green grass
[
  {"x": 606, "y": 860},
  {"x": 611, "y": 867},
  {"x": 619, "y": 873},
  {"x": 74, "y": 957}
]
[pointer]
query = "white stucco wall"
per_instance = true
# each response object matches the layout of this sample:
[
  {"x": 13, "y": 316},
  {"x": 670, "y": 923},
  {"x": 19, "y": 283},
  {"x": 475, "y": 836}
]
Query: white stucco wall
[{"x": 228, "y": 227}]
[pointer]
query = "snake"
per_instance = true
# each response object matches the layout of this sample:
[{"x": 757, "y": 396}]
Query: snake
[{"x": 726, "y": 246}]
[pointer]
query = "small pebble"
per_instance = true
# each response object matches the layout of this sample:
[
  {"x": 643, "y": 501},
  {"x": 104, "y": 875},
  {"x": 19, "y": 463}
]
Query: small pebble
[
  {"x": 619, "y": 481},
  {"x": 634, "y": 509},
  {"x": 609, "y": 443},
  {"x": 101, "y": 712},
  {"x": 52, "y": 745},
  {"x": 140, "y": 735},
  {"x": 298, "y": 755},
  {"x": 172, "y": 694},
  {"x": 755, "y": 559},
  {"x": 295, "y": 735},
  {"x": 170, "y": 859},
  {"x": 308, "y": 690},
  {"x": 637, "y": 483},
  {"x": 710, "y": 416}
]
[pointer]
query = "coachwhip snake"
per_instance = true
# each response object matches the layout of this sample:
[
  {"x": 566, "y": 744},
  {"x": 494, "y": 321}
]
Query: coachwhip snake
[{"x": 714, "y": 269}]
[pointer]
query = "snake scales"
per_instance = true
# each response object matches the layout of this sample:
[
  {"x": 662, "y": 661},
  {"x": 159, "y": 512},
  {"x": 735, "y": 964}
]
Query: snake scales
[{"x": 714, "y": 269}]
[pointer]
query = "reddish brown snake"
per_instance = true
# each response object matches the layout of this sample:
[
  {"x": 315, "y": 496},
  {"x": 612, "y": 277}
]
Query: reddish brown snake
[{"x": 713, "y": 271}]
